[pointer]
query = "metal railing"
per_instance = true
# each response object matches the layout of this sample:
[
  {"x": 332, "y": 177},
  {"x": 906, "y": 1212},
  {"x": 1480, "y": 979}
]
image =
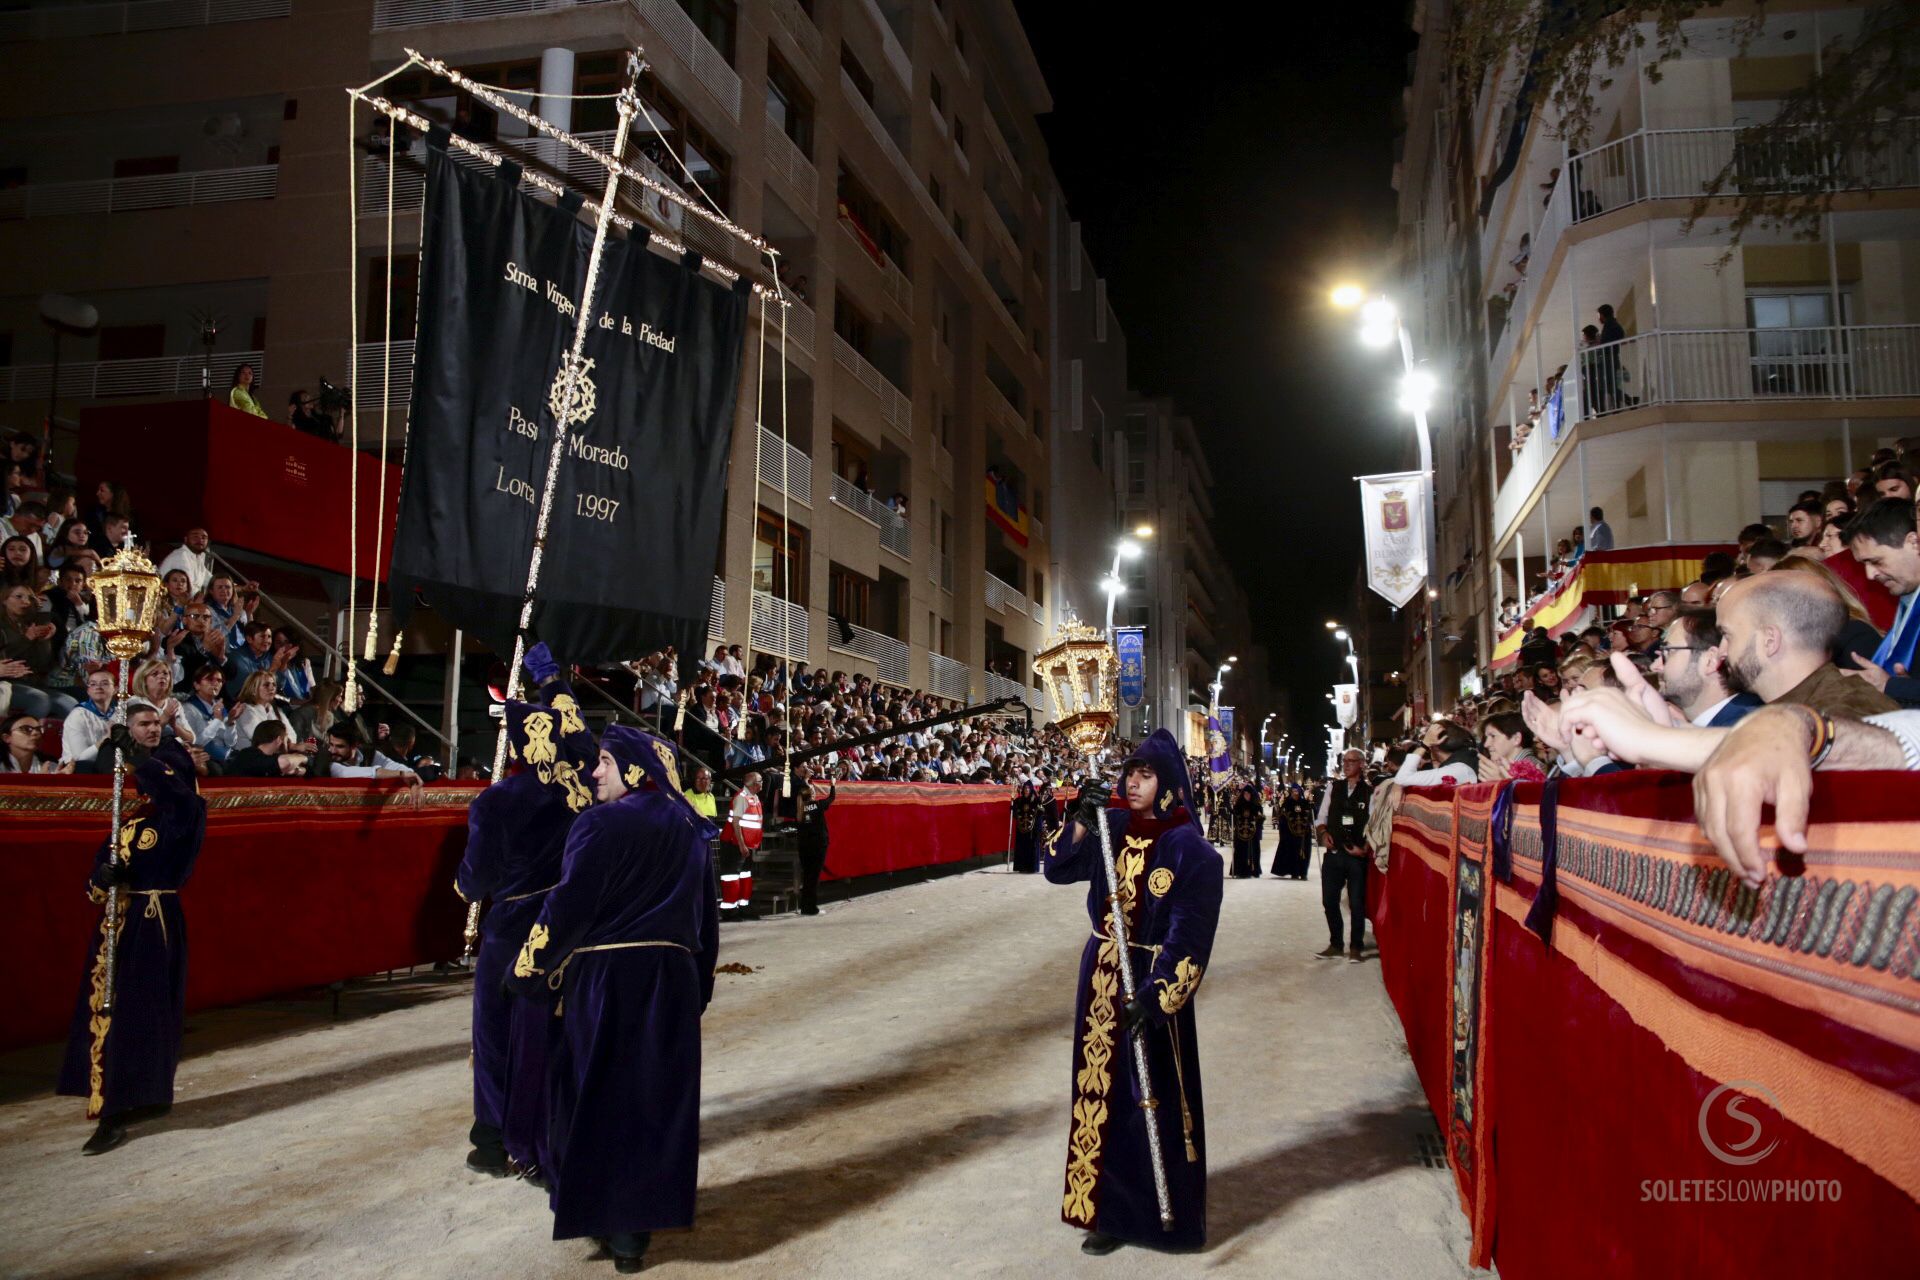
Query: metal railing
[
  {"x": 997, "y": 594},
  {"x": 786, "y": 161},
  {"x": 778, "y": 627},
  {"x": 895, "y": 409},
  {"x": 890, "y": 657},
  {"x": 1656, "y": 164},
  {"x": 794, "y": 21},
  {"x": 998, "y": 686},
  {"x": 368, "y": 374},
  {"x": 335, "y": 656},
  {"x": 389, "y": 14},
  {"x": 59, "y": 21},
  {"x": 864, "y": 109},
  {"x": 896, "y": 535},
  {"x": 786, "y": 467},
  {"x": 890, "y": 46},
  {"x": 947, "y": 678},
  {"x": 678, "y": 33},
  {"x": 717, "y": 610},
  {"x": 105, "y": 379},
  {"x": 1678, "y": 366},
  {"x": 154, "y": 191},
  {"x": 799, "y": 325},
  {"x": 899, "y": 288}
]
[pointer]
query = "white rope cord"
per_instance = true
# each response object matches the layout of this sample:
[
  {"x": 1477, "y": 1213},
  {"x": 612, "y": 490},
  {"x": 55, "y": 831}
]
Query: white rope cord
[
  {"x": 414, "y": 120},
  {"x": 532, "y": 121},
  {"x": 786, "y": 773},
  {"x": 759, "y": 401},
  {"x": 386, "y": 412},
  {"x": 351, "y": 697}
]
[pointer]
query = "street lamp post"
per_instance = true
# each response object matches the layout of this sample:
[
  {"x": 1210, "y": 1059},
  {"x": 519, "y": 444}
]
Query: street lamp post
[
  {"x": 1381, "y": 325},
  {"x": 1220, "y": 679}
]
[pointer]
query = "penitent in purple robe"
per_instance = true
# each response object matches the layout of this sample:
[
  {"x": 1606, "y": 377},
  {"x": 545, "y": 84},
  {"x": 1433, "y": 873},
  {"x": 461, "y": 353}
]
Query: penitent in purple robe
[
  {"x": 516, "y": 832},
  {"x": 627, "y": 941},
  {"x": 124, "y": 1059},
  {"x": 1170, "y": 887}
]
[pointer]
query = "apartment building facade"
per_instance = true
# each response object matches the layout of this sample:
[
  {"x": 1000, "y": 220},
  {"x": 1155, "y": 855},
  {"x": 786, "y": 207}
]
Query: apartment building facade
[
  {"x": 894, "y": 520},
  {"x": 1742, "y": 372}
]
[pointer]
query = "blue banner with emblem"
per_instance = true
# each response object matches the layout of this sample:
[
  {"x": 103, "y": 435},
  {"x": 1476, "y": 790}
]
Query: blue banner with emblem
[
  {"x": 1130, "y": 646},
  {"x": 1226, "y": 727}
]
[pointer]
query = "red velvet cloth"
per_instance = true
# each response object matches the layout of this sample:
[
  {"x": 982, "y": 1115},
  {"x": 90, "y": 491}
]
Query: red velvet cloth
[
  {"x": 1587, "y": 1091},
  {"x": 249, "y": 482},
  {"x": 330, "y": 880},
  {"x": 892, "y": 826}
]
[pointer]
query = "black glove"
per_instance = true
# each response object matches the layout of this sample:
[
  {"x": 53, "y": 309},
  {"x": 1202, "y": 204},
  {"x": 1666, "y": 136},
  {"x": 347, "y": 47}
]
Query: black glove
[
  {"x": 1090, "y": 804},
  {"x": 1133, "y": 1014},
  {"x": 110, "y": 873},
  {"x": 119, "y": 736}
]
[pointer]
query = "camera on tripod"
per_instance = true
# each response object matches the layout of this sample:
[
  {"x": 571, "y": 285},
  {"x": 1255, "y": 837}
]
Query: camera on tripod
[{"x": 331, "y": 399}]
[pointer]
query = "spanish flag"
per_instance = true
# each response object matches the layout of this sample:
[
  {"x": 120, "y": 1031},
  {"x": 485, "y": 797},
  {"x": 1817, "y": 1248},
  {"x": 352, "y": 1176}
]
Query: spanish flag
[
  {"x": 1004, "y": 509},
  {"x": 1606, "y": 578}
]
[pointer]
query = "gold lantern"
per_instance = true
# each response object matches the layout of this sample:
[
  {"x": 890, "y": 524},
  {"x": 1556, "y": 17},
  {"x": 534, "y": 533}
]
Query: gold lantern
[
  {"x": 1082, "y": 674},
  {"x": 129, "y": 595}
]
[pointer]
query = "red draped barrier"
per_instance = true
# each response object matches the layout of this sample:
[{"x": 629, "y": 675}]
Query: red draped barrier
[
  {"x": 302, "y": 884},
  {"x": 1690, "y": 1078}
]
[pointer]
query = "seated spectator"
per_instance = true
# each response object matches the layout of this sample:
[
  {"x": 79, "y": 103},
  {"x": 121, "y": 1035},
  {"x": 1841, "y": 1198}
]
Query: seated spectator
[
  {"x": 1883, "y": 539},
  {"x": 1858, "y": 635},
  {"x": 240, "y": 394},
  {"x": 179, "y": 588},
  {"x": 1804, "y": 519},
  {"x": 110, "y": 535},
  {"x": 1780, "y": 629},
  {"x": 303, "y": 414},
  {"x": 109, "y": 499},
  {"x": 1716, "y": 566},
  {"x": 192, "y": 558},
  {"x": 1894, "y": 481},
  {"x": 19, "y": 563},
  {"x": 1452, "y": 750},
  {"x": 397, "y": 744},
  {"x": 86, "y": 725},
  {"x": 266, "y": 756},
  {"x": 1691, "y": 664},
  {"x": 198, "y": 645},
  {"x": 20, "y": 746},
  {"x": 153, "y": 682},
  {"x": 205, "y": 712},
  {"x": 72, "y": 545},
  {"x": 296, "y": 673},
  {"x": 257, "y": 654},
  {"x": 27, "y": 655},
  {"x": 256, "y": 706},
  {"x": 233, "y": 607},
  {"x": 1832, "y": 541},
  {"x": 349, "y": 757},
  {"x": 321, "y": 709},
  {"x": 1507, "y": 750},
  {"x": 1765, "y": 554},
  {"x": 70, "y": 602}
]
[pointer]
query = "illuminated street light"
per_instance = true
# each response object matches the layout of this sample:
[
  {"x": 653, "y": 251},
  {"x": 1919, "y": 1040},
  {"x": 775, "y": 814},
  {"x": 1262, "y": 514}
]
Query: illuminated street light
[
  {"x": 1348, "y": 296},
  {"x": 1143, "y": 531},
  {"x": 1416, "y": 390}
]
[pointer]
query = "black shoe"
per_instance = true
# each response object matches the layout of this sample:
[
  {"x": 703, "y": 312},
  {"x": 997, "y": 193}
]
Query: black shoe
[
  {"x": 629, "y": 1250},
  {"x": 491, "y": 1161},
  {"x": 809, "y": 911},
  {"x": 1331, "y": 953},
  {"x": 1100, "y": 1245},
  {"x": 109, "y": 1135}
]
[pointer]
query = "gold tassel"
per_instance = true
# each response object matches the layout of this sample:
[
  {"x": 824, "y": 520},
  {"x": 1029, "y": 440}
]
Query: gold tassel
[
  {"x": 350, "y": 696},
  {"x": 680, "y": 716},
  {"x": 373, "y": 637},
  {"x": 392, "y": 663}
]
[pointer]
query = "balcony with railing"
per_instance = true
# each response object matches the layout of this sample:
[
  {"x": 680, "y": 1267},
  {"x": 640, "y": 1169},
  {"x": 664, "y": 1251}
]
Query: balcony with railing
[
  {"x": 871, "y": 119},
  {"x": 778, "y": 627},
  {"x": 153, "y": 191},
  {"x": 790, "y": 18},
  {"x": 785, "y": 468},
  {"x": 788, "y": 163},
  {"x": 891, "y": 658},
  {"x": 1002, "y": 595},
  {"x": 717, "y": 610},
  {"x": 896, "y": 410},
  {"x": 107, "y": 379},
  {"x": 63, "y": 20},
  {"x": 893, "y": 281},
  {"x": 390, "y": 15},
  {"x": 890, "y": 46},
  {"x": 371, "y": 372},
  {"x": 947, "y": 678},
  {"x": 896, "y": 535}
]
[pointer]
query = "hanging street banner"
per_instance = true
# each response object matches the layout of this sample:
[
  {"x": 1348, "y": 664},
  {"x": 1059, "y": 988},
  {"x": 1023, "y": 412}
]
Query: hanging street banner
[
  {"x": 1226, "y": 727},
  {"x": 1393, "y": 511},
  {"x": 1219, "y": 761},
  {"x": 1346, "y": 703},
  {"x": 635, "y": 523},
  {"x": 1130, "y": 646}
]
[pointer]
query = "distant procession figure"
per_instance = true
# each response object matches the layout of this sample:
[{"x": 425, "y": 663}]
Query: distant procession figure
[
  {"x": 516, "y": 833},
  {"x": 1032, "y": 819},
  {"x": 1169, "y": 887},
  {"x": 625, "y": 947},
  {"x": 811, "y": 837},
  {"x": 1249, "y": 822},
  {"x": 1293, "y": 824},
  {"x": 121, "y": 1059}
]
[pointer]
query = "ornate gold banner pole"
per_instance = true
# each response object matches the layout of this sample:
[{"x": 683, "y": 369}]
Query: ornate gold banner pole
[
  {"x": 1082, "y": 675},
  {"x": 129, "y": 595}
]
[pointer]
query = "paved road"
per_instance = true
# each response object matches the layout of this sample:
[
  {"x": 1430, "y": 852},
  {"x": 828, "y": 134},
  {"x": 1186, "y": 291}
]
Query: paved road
[{"x": 885, "y": 1095}]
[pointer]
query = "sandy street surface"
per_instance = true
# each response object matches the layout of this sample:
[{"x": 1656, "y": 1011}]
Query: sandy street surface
[{"x": 886, "y": 1095}]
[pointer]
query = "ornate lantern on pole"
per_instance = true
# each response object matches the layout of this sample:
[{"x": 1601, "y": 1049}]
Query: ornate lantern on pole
[
  {"x": 129, "y": 595},
  {"x": 1082, "y": 675}
]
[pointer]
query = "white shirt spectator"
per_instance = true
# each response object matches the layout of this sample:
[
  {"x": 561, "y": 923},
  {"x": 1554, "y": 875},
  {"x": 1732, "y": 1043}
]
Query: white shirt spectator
[
  {"x": 1599, "y": 538},
  {"x": 338, "y": 770},
  {"x": 252, "y": 717},
  {"x": 82, "y": 733},
  {"x": 192, "y": 563},
  {"x": 1411, "y": 775}
]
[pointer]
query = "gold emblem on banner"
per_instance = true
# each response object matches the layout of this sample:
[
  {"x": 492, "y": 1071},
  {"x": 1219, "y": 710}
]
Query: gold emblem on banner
[{"x": 585, "y": 397}]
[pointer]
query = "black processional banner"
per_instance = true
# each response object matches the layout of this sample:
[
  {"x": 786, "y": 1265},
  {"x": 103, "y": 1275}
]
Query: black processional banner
[{"x": 635, "y": 526}]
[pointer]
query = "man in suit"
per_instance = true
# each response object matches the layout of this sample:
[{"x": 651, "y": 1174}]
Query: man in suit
[{"x": 1691, "y": 662}]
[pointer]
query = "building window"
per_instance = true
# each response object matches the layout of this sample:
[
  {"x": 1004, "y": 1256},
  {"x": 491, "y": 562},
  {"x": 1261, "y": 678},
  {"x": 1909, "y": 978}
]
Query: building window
[
  {"x": 938, "y": 94},
  {"x": 849, "y": 595},
  {"x": 862, "y": 82},
  {"x": 788, "y": 105},
  {"x": 851, "y": 326},
  {"x": 960, "y": 134},
  {"x": 780, "y": 564},
  {"x": 869, "y": 220}
]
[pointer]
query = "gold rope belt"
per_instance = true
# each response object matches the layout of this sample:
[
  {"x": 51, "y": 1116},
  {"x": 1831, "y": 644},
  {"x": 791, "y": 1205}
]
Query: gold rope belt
[
  {"x": 153, "y": 907},
  {"x": 553, "y": 979},
  {"x": 521, "y": 897}
]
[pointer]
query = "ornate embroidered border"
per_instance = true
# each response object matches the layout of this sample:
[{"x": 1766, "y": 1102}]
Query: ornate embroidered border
[{"x": 242, "y": 799}]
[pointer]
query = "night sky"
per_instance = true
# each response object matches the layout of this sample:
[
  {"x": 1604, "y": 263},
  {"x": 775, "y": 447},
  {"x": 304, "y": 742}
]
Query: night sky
[{"x": 1229, "y": 163}]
